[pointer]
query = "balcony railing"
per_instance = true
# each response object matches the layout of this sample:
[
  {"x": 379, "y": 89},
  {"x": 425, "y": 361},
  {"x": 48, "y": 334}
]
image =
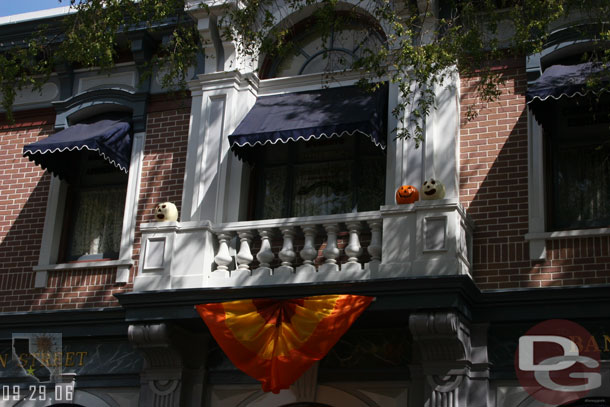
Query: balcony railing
[{"x": 425, "y": 238}]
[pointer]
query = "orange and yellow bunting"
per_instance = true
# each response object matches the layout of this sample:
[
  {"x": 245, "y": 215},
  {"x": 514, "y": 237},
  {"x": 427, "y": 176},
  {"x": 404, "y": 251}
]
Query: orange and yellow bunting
[{"x": 276, "y": 341}]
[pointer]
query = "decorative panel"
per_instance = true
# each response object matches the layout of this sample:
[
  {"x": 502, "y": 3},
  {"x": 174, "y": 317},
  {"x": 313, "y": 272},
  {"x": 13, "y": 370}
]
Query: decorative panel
[
  {"x": 154, "y": 256},
  {"x": 435, "y": 233}
]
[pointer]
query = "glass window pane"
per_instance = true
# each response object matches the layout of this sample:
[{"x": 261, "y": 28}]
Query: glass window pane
[
  {"x": 582, "y": 196},
  {"x": 98, "y": 219},
  {"x": 275, "y": 191},
  {"x": 371, "y": 188},
  {"x": 322, "y": 189}
]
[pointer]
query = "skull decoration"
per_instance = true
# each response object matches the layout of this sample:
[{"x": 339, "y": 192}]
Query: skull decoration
[
  {"x": 433, "y": 189},
  {"x": 407, "y": 194},
  {"x": 166, "y": 212}
]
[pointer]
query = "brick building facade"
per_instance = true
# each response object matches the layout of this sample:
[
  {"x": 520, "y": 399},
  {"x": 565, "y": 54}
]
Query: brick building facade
[{"x": 457, "y": 280}]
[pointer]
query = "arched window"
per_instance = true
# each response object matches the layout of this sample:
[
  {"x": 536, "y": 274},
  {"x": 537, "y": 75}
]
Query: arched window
[
  {"x": 347, "y": 40},
  {"x": 320, "y": 166}
]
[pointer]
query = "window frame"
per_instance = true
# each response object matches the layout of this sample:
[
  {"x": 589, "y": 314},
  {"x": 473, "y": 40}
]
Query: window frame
[
  {"x": 300, "y": 31},
  {"x": 556, "y": 137},
  {"x": 559, "y": 46},
  {"x": 74, "y": 195},
  {"x": 357, "y": 158},
  {"x": 74, "y": 109}
]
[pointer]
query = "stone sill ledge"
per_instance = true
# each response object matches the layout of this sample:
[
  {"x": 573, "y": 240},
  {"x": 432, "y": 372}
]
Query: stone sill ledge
[
  {"x": 83, "y": 265},
  {"x": 564, "y": 234}
]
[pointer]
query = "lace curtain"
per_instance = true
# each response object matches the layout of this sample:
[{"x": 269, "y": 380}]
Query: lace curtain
[
  {"x": 582, "y": 197},
  {"x": 97, "y": 224},
  {"x": 322, "y": 189}
]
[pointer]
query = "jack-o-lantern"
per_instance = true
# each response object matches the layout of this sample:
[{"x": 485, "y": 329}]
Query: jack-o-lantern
[
  {"x": 433, "y": 189},
  {"x": 166, "y": 212},
  {"x": 407, "y": 194}
]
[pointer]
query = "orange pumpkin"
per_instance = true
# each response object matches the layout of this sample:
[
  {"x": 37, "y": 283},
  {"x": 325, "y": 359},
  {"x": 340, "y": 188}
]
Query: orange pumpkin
[{"x": 407, "y": 194}]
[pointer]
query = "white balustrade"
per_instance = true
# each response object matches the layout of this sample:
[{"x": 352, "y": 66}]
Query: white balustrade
[
  {"x": 425, "y": 238},
  {"x": 302, "y": 262}
]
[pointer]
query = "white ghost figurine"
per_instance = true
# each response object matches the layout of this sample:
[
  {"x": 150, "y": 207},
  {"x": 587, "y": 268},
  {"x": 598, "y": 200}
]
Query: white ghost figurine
[
  {"x": 166, "y": 212},
  {"x": 432, "y": 189}
]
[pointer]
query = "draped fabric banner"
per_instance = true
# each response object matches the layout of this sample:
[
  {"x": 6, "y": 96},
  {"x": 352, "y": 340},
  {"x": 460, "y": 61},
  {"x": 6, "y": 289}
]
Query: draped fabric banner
[{"x": 276, "y": 341}]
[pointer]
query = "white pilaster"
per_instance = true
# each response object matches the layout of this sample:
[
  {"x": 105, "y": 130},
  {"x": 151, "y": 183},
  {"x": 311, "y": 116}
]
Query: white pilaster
[
  {"x": 441, "y": 145},
  {"x": 536, "y": 188},
  {"x": 213, "y": 180},
  {"x": 131, "y": 207}
]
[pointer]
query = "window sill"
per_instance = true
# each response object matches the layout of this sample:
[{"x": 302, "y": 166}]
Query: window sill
[
  {"x": 83, "y": 265},
  {"x": 563, "y": 234},
  {"x": 537, "y": 240}
]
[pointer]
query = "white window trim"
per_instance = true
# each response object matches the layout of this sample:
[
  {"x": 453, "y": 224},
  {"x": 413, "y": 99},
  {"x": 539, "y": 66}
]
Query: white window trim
[
  {"x": 538, "y": 234},
  {"x": 53, "y": 224}
]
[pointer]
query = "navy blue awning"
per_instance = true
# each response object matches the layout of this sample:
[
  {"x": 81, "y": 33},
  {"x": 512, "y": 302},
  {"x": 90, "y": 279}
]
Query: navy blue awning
[
  {"x": 332, "y": 112},
  {"x": 559, "y": 81},
  {"x": 111, "y": 139}
]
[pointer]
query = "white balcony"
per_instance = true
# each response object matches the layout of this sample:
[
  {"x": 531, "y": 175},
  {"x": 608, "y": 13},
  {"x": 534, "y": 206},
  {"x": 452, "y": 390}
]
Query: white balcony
[{"x": 423, "y": 239}]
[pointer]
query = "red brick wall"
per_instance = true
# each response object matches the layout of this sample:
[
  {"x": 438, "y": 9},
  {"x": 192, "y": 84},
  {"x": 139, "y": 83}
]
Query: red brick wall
[
  {"x": 494, "y": 190},
  {"x": 24, "y": 190},
  {"x": 164, "y": 159}
]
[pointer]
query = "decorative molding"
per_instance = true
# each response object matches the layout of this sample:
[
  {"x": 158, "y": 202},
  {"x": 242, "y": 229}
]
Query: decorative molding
[
  {"x": 47, "y": 93},
  {"x": 307, "y": 82},
  {"x": 173, "y": 364},
  {"x": 116, "y": 80},
  {"x": 99, "y": 100},
  {"x": 441, "y": 336},
  {"x": 306, "y": 386},
  {"x": 442, "y": 342}
]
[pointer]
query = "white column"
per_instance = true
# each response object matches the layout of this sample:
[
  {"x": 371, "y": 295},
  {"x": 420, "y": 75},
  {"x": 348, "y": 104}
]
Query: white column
[
  {"x": 441, "y": 146},
  {"x": 213, "y": 186},
  {"x": 193, "y": 154}
]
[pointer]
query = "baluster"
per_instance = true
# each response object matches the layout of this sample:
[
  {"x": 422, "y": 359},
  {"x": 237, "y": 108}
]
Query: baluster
[
  {"x": 374, "y": 249},
  {"x": 287, "y": 254},
  {"x": 265, "y": 255},
  {"x": 223, "y": 258},
  {"x": 307, "y": 272},
  {"x": 309, "y": 252},
  {"x": 244, "y": 256},
  {"x": 353, "y": 248},
  {"x": 331, "y": 252}
]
